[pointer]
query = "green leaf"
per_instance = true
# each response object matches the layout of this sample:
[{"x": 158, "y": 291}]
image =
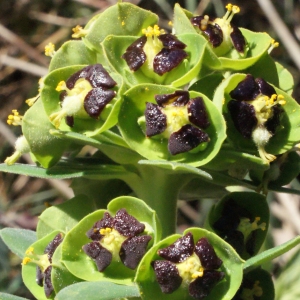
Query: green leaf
[
  {"x": 4, "y": 296},
  {"x": 18, "y": 240},
  {"x": 65, "y": 216},
  {"x": 65, "y": 170},
  {"x": 225, "y": 289},
  {"x": 270, "y": 254},
  {"x": 80, "y": 265},
  {"x": 90, "y": 290},
  {"x": 73, "y": 53},
  {"x": 156, "y": 149},
  {"x": 46, "y": 148},
  {"x": 251, "y": 205},
  {"x": 120, "y": 19},
  {"x": 111, "y": 145}
]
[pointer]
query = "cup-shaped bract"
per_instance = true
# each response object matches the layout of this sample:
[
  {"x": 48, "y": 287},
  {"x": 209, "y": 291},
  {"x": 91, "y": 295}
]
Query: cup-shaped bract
[
  {"x": 176, "y": 60},
  {"x": 227, "y": 46},
  {"x": 107, "y": 245},
  {"x": 196, "y": 265},
  {"x": 41, "y": 266},
  {"x": 84, "y": 99},
  {"x": 122, "y": 19},
  {"x": 256, "y": 284},
  {"x": 242, "y": 220},
  {"x": 139, "y": 104},
  {"x": 266, "y": 124}
]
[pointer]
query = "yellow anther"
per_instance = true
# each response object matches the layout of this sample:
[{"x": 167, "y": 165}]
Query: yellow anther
[
  {"x": 105, "y": 231},
  {"x": 79, "y": 32},
  {"x": 14, "y": 119},
  {"x": 235, "y": 9},
  {"x": 29, "y": 251},
  {"x": 123, "y": 23},
  {"x": 255, "y": 225},
  {"x": 273, "y": 45},
  {"x": 153, "y": 31},
  {"x": 61, "y": 86},
  {"x": 229, "y": 7},
  {"x": 26, "y": 260},
  {"x": 50, "y": 50},
  {"x": 170, "y": 23},
  {"x": 32, "y": 100}
]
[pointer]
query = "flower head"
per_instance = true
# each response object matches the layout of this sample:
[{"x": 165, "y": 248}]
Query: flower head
[
  {"x": 156, "y": 51},
  {"x": 220, "y": 33},
  {"x": 44, "y": 263},
  {"x": 79, "y": 32},
  {"x": 255, "y": 110},
  {"x": 239, "y": 227},
  {"x": 85, "y": 93},
  {"x": 117, "y": 239},
  {"x": 189, "y": 265},
  {"x": 179, "y": 119}
]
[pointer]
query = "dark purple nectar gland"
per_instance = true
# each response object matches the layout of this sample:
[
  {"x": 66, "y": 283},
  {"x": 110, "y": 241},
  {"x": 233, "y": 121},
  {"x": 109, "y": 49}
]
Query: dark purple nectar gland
[
  {"x": 85, "y": 94},
  {"x": 255, "y": 110},
  {"x": 117, "y": 239},
  {"x": 221, "y": 35},
  {"x": 179, "y": 119},
  {"x": 156, "y": 51},
  {"x": 188, "y": 265},
  {"x": 44, "y": 264}
]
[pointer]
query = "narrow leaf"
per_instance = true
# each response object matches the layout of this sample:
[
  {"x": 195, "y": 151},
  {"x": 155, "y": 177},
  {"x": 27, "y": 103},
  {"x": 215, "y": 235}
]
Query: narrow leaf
[
  {"x": 4, "y": 296},
  {"x": 91, "y": 291},
  {"x": 270, "y": 254}
]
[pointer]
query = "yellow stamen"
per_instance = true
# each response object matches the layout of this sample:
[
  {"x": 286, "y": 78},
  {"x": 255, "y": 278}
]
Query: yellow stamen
[
  {"x": 79, "y": 32},
  {"x": 32, "y": 100},
  {"x": 231, "y": 11},
  {"x": 153, "y": 31},
  {"x": 14, "y": 119},
  {"x": 29, "y": 251},
  {"x": 61, "y": 86},
  {"x": 273, "y": 45},
  {"x": 198, "y": 273},
  {"x": 26, "y": 260},
  {"x": 204, "y": 22},
  {"x": 50, "y": 50},
  {"x": 247, "y": 294},
  {"x": 105, "y": 231},
  {"x": 246, "y": 227}
]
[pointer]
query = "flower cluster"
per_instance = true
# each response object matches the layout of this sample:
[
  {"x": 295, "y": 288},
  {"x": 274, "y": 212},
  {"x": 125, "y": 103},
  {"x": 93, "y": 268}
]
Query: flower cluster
[
  {"x": 44, "y": 263},
  {"x": 117, "y": 238},
  {"x": 221, "y": 35},
  {"x": 255, "y": 110},
  {"x": 188, "y": 264},
  {"x": 85, "y": 93},
  {"x": 161, "y": 51},
  {"x": 179, "y": 119}
]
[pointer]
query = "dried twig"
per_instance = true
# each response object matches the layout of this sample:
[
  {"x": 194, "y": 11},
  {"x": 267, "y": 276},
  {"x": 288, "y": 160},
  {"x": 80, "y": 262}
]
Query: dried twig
[
  {"x": 23, "y": 46},
  {"x": 290, "y": 44},
  {"x": 23, "y": 65}
]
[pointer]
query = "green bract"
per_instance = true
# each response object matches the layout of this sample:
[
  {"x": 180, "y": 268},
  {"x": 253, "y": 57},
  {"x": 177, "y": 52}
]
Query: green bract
[
  {"x": 80, "y": 265},
  {"x": 225, "y": 289},
  {"x": 120, "y": 19},
  {"x": 242, "y": 219},
  {"x": 287, "y": 133},
  {"x": 115, "y": 47},
  {"x": 257, "y": 44},
  {"x": 155, "y": 148},
  {"x": 82, "y": 121}
]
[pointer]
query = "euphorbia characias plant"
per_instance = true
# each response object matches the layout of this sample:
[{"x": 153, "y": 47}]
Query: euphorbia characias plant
[{"x": 181, "y": 113}]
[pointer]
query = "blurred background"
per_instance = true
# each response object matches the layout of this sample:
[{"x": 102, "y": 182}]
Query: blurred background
[{"x": 26, "y": 26}]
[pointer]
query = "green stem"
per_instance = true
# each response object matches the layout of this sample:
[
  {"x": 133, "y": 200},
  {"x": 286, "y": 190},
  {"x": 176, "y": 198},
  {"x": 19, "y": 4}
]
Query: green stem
[{"x": 159, "y": 189}]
